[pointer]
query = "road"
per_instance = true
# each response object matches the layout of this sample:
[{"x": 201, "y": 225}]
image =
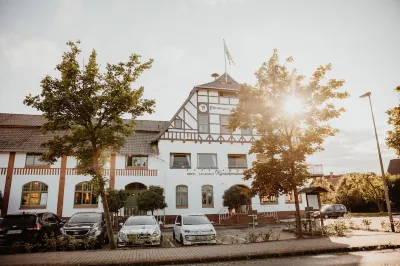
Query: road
[{"x": 383, "y": 257}]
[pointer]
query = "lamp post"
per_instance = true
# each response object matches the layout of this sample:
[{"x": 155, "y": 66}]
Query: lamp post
[{"x": 368, "y": 94}]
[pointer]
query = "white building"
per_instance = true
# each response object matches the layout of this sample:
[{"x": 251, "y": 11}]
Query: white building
[{"x": 194, "y": 157}]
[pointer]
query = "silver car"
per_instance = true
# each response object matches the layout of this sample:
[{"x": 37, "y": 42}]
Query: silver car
[{"x": 140, "y": 230}]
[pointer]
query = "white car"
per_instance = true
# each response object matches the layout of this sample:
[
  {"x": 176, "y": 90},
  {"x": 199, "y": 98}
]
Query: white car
[
  {"x": 140, "y": 230},
  {"x": 194, "y": 229}
]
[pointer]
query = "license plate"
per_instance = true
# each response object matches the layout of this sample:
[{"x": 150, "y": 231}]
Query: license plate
[
  {"x": 203, "y": 238},
  {"x": 9, "y": 232}
]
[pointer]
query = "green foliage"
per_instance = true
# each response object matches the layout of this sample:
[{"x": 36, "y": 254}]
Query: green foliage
[
  {"x": 266, "y": 235},
  {"x": 83, "y": 110},
  {"x": 116, "y": 199},
  {"x": 328, "y": 197},
  {"x": 385, "y": 226},
  {"x": 368, "y": 186},
  {"x": 234, "y": 197},
  {"x": 286, "y": 138},
  {"x": 251, "y": 237},
  {"x": 393, "y": 135},
  {"x": 348, "y": 192},
  {"x": 152, "y": 199},
  {"x": 337, "y": 228}
]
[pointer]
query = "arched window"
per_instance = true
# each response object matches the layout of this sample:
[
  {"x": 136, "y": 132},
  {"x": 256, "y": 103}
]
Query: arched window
[
  {"x": 207, "y": 196},
  {"x": 34, "y": 194},
  {"x": 182, "y": 196},
  {"x": 84, "y": 194}
]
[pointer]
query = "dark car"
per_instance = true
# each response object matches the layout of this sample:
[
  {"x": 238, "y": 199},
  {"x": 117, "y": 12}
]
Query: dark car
[
  {"x": 332, "y": 211},
  {"x": 28, "y": 227},
  {"x": 86, "y": 225}
]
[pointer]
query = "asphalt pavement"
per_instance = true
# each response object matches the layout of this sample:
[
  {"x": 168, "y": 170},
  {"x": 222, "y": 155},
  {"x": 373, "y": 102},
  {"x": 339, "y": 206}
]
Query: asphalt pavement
[{"x": 388, "y": 257}]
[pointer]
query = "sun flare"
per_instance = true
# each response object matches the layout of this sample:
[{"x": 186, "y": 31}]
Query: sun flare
[{"x": 293, "y": 105}]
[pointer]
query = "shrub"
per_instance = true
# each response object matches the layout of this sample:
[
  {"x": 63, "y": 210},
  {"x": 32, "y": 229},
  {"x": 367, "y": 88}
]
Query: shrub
[
  {"x": 396, "y": 224},
  {"x": 366, "y": 223},
  {"x": 29, "y": 247},
  {"x": 336, "y": 229},
  {"x": 265, "y": 236},
  {"x": 385, "y": 226},
  {"x": 252, "y": 237},
  {"x": 49, "y": 242}
]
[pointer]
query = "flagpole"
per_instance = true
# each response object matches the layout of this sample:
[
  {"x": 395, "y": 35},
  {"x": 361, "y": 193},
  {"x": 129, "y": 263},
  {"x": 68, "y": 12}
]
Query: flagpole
[{"x": 226, "y": 77}]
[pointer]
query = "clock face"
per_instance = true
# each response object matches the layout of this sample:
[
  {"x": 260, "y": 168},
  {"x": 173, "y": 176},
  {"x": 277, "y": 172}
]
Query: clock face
[{"x": 203, "y": 108}]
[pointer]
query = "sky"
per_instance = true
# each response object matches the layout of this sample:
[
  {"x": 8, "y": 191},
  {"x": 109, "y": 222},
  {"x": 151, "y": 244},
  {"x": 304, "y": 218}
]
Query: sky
[{"x": 361, "y": 39}]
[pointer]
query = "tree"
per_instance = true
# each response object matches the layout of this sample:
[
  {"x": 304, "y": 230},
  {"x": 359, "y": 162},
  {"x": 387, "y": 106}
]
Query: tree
[
  {"x": 347, "y": 191},
  {"x": 394, "y": 189},
  {"x": 234, "y": 197},
  {"x": 371, "y": 187},
  {"x": 151, "y": 199},
  {"x": 290, "y": 117},
  {"x": 116, "y": 199},
  {"x": 328, "y": 197},
  {"x": 83, "y": 110},
  {"x": 393, "y": 136}
]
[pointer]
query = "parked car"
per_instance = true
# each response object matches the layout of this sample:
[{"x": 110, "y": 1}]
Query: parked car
[
  {"x": 331, "y": 211},
  {"x": 140, "y": 230},
  {"x": 194, "y": 229},
  {"x": 86, "y": 225},
  {"x": 28, "y": 227}
]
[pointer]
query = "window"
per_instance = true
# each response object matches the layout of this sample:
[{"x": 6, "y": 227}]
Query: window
[
  {"x": 227, "y": 94},
  {"x": 206, "y": 161},
  {"x": 224, "y": 124},
  {"x": 34, "y": 194},
  {"x": 269, "y": 200},
  {"x": 182, "y": 196},
  {"x": 178, "y": 123},
  {"x": 203, "y": 123},
  {"x": 84, "y": 194},
  {"x": 180, "y": 160},
  {"x": 207, "y": 196},
  {"x": 136, "y": 161},
  {"x": 33, "y": 159},
  {"x": 290, "y": 197},
  {"x": 237, "y": 161},
  {"x": 247, "y": 131}
]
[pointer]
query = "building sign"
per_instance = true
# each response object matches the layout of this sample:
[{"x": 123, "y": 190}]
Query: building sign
[
  {"x": 221, "y": 109},
  {"x": 203, "y": 107},
  {"x": 218, "y": 172}
]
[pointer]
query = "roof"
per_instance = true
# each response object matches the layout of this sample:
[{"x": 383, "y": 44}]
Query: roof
[
  {"x": 221, "y": 83},
  {"x": 394, "y": 167},
  {"x": 21, "y": 133},
  {"x": 313, "y": 190}
]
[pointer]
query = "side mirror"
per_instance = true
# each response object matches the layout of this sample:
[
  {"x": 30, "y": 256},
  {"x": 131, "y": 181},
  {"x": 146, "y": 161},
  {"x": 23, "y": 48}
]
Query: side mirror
[
  {"x": 121, "y": 224},
  {"x": 212, "y": 222},
  {"x": 63, "y": 221},
  {"x": 178, "y": 224}
]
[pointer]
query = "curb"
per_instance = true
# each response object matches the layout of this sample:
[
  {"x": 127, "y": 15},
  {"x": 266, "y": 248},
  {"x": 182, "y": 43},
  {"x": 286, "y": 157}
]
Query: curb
[{"x": 253, "y": 256}]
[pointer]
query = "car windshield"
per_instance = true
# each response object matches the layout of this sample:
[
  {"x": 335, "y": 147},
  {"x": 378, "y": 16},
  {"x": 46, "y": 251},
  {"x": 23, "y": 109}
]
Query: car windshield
[
  {"x": 85, "y": 218},
  {"x": 324, "y": 208},
  {"x": 21, "y": 220},
  {"x": 195, "y": 220},
  {"x": 140, "y": 220}
]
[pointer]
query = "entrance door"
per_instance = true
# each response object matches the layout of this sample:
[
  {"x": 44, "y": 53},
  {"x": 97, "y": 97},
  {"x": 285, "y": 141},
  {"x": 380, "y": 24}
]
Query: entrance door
[{"x": 134, "y": 190}]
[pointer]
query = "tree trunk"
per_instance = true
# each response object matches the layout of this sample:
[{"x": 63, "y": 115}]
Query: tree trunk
[
  {"x": 298, "y": 219},
  {"x": 380, "y": 207},
  {"x": 108, "y": 220}
]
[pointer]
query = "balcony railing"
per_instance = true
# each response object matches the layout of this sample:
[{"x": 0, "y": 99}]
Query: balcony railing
[{"x": 74, "y": 171}]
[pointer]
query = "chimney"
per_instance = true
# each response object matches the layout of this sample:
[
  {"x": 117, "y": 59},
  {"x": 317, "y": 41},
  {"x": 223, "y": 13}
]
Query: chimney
[{"x": 331, "y": 175}]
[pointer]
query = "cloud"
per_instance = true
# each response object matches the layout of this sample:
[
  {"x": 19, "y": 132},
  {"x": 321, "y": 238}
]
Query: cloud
[
  {"x": 215, "y": 2},
  {"x": 69, "y": 12},
  {"x": 34, "y": 53}
]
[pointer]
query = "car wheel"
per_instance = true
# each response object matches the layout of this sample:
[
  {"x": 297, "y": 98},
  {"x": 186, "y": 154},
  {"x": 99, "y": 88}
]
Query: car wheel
[
  {"x": 99, "y": 244},
  {"x": 182, "y": 240},
  {"x": 107, "y": 239},
  {"x": 173, "y": 235},
  {"x": 326, "y": 216}
]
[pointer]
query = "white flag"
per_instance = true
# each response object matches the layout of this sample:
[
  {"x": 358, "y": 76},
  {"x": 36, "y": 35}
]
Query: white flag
[{"x": 228, "y": 55}]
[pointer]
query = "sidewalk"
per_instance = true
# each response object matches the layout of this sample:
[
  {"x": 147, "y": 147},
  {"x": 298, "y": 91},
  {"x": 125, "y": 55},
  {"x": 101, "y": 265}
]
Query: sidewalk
[{"x": 153, "y": 256}]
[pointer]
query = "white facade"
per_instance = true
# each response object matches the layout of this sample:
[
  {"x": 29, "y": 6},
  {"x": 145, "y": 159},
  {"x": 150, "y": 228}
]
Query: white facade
[{"x": 197, "y": 128}]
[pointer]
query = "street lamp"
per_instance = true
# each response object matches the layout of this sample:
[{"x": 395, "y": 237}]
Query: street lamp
[{"x": 368, "y": 94}]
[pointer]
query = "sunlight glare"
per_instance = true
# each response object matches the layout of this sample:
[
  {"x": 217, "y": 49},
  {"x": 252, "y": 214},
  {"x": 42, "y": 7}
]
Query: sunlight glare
[{"x": 293, "y": 106}]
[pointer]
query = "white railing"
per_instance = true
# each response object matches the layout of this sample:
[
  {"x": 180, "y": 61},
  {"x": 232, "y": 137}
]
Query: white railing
[
  {"x": 266, "y": 210},
  {"x": 224, "y": 214}
]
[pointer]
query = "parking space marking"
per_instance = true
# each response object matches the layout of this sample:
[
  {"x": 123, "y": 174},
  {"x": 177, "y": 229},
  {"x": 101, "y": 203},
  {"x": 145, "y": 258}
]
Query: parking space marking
[{"x": 172, "y": 245}]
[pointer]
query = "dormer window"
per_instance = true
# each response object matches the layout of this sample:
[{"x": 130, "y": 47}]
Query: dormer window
[
  {"x": 228, "y": 94},
  {"x": 178, "y": 123},
  {"x": 139, "y": 161},
  {"x": 33, "y": 159}
]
